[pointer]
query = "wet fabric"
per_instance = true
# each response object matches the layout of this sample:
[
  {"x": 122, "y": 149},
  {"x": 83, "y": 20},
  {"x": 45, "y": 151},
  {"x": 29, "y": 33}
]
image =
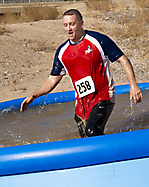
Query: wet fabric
[{"x": 94, "y": 125}]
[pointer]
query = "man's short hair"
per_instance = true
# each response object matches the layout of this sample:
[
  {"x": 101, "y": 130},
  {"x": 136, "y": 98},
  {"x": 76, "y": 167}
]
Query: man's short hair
[{"x": 73, "y": 12}]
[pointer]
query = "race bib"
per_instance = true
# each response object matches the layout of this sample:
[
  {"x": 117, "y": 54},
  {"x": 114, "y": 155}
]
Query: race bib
[{"x": 85, "y": 86}]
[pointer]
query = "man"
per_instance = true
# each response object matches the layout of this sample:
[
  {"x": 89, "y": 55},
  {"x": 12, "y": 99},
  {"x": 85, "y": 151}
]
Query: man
[{"x": 85, "y": 57}]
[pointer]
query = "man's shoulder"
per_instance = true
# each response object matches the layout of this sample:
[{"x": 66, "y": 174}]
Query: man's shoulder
[
  {"x": 96, "y": 35},
  {"x": 62, "y": 45},
  {"x": 103, "y": 39}
]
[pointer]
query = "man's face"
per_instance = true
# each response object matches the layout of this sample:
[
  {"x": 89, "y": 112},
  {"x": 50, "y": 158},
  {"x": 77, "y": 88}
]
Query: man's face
[{"x": 73, "y": 27}]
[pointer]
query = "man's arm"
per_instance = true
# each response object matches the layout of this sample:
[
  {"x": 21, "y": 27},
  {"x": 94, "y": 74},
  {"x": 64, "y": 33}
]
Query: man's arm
[
  {"x": 135, "y": 92},
  {"x": 45, "y": 88}
]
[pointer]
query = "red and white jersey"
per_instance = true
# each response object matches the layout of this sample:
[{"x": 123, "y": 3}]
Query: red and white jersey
[{"x": 87, "y": 63}]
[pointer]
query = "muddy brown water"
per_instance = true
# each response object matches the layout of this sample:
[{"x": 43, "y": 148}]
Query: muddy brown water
[{"x": 56, "y": 121}]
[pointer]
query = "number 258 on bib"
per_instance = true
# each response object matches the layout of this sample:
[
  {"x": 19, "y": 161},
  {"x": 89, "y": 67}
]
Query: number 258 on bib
[{"x": 85, "y": 86}]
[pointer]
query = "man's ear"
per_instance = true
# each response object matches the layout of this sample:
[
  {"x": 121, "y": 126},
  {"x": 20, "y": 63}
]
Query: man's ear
[{"x": 82, "y": 23}]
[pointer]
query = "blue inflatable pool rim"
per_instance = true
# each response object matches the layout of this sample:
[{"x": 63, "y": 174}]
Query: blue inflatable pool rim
[
  {"x": 62, "y": 97},
  {"x": 74, "y": 153}
]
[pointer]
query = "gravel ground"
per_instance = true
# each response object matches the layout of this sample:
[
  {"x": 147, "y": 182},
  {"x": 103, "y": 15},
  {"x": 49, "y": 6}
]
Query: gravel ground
[{"x": 27, "y": 50}]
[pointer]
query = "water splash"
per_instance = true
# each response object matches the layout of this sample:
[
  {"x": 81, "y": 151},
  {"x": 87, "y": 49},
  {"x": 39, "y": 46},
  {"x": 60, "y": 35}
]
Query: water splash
[
  {"x": 135, "y": 116},
  {"x": 6, "y": 110},
  {"x": 41, "y": 107},
  {"x": 130, "y": 113}
]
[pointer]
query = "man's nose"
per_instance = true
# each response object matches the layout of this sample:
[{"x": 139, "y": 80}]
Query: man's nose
[{"x": 69, "y": 27}]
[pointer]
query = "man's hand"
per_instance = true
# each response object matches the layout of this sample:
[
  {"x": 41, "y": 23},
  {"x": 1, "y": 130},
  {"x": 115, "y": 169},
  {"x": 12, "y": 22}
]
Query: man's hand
[
  {"x": 26, "y": 102},
  {"x": 135, "y": 94},
  {"x": 44, "y": 89}
]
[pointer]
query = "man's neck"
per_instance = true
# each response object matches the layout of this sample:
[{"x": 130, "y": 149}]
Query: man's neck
[{"x": 80, "y": 38}]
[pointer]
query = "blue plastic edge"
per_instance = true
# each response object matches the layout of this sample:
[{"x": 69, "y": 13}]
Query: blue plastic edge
[
  {"x": 74, "y": 153},
  {"x": 59, "y": 97},
  {"x": 62, "y": 97}
]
